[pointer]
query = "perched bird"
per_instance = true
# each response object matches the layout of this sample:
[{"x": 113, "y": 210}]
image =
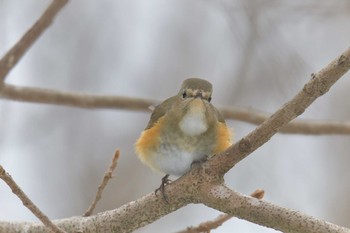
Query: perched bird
[{"x": 184, "y": 129}]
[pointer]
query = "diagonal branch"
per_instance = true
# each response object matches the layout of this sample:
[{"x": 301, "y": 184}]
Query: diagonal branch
[
  {"x": 265, "y": 213},
  {"x": 18, "y": 50},
  {"x": 221, "y": 219},
  {"x": 126, "y": 218},
  {"x": 90, "y": 101},
  {"x": 27, "y": 202},
  {"x": 319, "y": 84},
  {"x": 106, "y": 178}
]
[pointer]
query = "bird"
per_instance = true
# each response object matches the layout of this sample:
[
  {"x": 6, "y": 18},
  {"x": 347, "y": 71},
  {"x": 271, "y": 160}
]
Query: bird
[{"x": 184, "y": 129}]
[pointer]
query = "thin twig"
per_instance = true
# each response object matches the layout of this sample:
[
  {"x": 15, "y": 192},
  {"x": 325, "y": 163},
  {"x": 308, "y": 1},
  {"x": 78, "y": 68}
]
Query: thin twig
[
  {"x": 108, "y": 175},
  {"x": 18, "y": 50},
  {"x": 27, "y": 202},
  {"x": 90, "y": 101},
  {"x": 218, "y": 221}
]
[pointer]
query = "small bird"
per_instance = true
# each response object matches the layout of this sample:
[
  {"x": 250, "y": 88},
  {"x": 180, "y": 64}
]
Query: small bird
[{"x": 184, "y": 129}]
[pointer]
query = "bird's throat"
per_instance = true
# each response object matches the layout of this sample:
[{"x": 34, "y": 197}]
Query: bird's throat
[{"x": 194, "y": 121}]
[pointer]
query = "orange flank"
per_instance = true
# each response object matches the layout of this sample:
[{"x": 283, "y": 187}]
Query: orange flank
[
  {"x": 148, "y": 141},
  {"x": 223, "y": 138}
]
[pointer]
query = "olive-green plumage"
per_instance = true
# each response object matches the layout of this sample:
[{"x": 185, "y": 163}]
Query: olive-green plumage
[{"x": 183, "y": 129}]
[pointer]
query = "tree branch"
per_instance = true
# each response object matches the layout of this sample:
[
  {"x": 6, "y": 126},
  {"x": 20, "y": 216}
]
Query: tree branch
[
  {"x": 73, "y": 99},
  {"x": 319, "y": 84},
  {"x": 126, "y": 218},
  {"x": 90, "y": 101},
  {"x": 221, "y": 219},
  {"x": 297, "y": 126},
  {"x": 18, "y": 50},
  {"x": 27, "y": 202},
  {"x": 106, "y": 178},
  {"x": 265, "y": 213}
]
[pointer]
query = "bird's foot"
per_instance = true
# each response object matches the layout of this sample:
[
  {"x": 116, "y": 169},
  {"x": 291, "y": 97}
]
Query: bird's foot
[
  {"x": 199, "y": 162},
  {"x": 165, "y": 181}
]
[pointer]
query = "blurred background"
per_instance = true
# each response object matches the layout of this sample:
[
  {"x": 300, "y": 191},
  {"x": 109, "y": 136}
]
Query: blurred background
[{"x": 257, "y": 54}]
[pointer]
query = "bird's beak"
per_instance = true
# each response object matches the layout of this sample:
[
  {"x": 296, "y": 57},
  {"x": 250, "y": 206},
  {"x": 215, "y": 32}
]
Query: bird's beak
[{"x": 199, "y": 94}]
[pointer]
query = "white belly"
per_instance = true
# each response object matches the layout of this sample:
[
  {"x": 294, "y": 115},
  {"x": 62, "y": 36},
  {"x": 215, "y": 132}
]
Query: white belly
[{"x": 175, "y": 161}]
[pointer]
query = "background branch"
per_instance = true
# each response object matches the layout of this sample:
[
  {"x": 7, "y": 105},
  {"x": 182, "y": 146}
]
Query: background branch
[
  {"x": 73, "y": 99},
  {"x": 297, "y": 126},
  {"x": 18, "y": 50},
  {"x": 90, "y": 101}
]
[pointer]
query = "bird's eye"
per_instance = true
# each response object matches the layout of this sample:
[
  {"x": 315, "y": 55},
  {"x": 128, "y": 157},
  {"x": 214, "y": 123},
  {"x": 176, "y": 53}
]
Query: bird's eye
[
  {"x": 184, "y": 95},
  {"x": 209, "y": 99}
]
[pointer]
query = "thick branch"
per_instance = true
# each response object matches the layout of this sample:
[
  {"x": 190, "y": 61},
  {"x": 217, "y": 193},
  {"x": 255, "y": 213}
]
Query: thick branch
[
  {"x": 319, "y": 84},
  {"x": 126, "y": 218},
  {"x": 90, "y": 101},
  {"x": 185, "y": 190},
  {"x": 18, "y": 50},
  {"x": 221, "y": 219},
  {"x": 265, "y": 213}
]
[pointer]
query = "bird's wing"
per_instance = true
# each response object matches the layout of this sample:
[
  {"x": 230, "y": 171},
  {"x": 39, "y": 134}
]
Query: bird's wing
[
  {"x": 218, "y": 114},
  {"x": 160, "y": 111}
]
